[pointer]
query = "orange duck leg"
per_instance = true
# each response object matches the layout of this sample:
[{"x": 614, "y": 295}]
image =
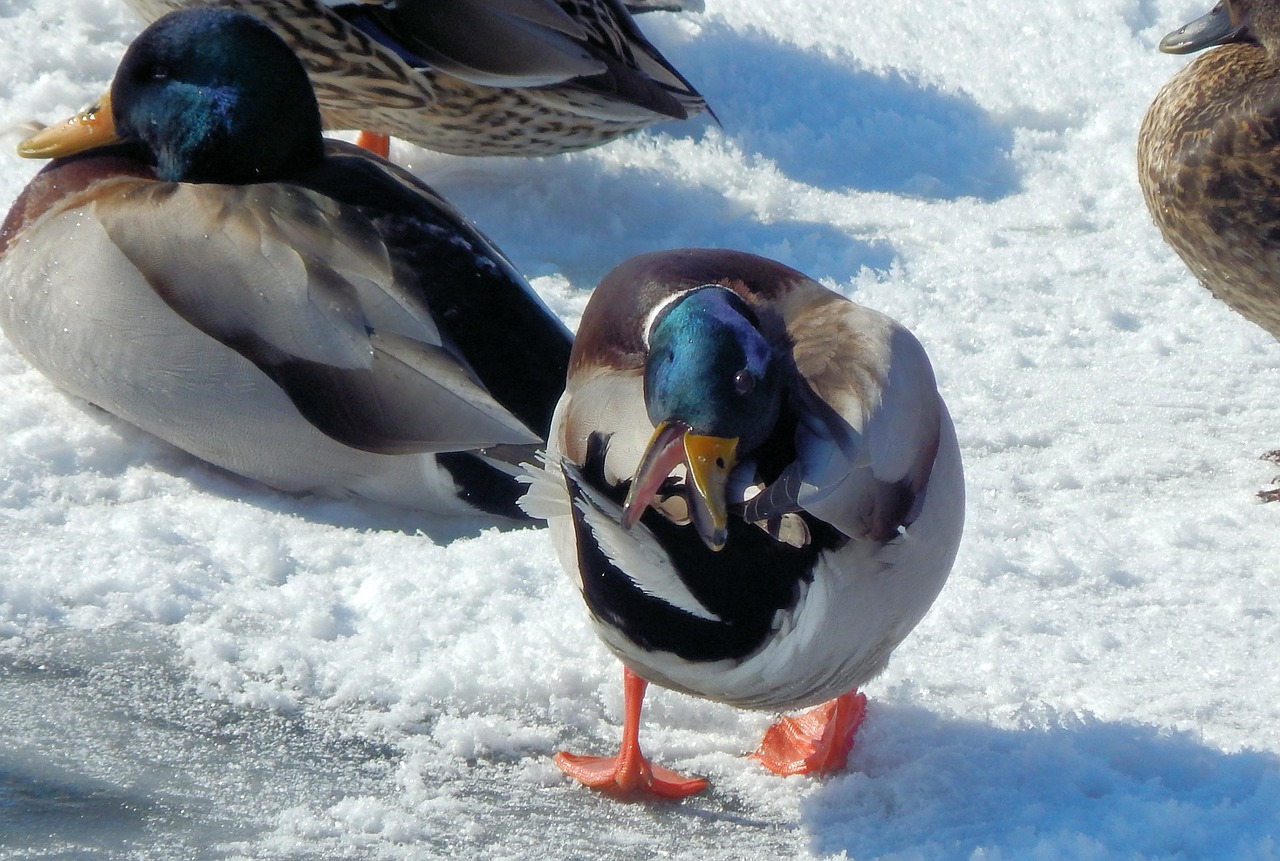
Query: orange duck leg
[
  {"x": 816, "y": 741},
  {"x": 375, "y": 143},
  {"x": 629, "y": 774}
]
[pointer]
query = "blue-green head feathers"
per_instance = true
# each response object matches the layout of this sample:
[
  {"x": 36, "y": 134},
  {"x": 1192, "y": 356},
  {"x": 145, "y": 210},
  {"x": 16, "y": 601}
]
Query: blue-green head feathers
[
  {"x": 216, "y": 96},
  {"x": 711, "y": 368}
]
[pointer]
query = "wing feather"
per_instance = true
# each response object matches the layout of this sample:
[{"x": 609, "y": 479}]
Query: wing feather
[
  {"x": 304, "y": 288},
  {"x": 635, "y": 553},
  {"x": 871, "y": 419},
  {"x": 503, "y": 43}
]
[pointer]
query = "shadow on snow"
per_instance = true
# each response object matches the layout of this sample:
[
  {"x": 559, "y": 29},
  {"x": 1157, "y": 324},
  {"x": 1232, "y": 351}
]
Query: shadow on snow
[
  {"x": 836, "y": 127},
  {"x": 580, "y": 218},
  {"x": 925, "y": 786}
]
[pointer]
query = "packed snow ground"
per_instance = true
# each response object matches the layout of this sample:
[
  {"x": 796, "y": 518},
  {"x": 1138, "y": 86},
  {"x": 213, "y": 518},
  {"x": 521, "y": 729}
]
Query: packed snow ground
[{"x": 195, "y": 666}]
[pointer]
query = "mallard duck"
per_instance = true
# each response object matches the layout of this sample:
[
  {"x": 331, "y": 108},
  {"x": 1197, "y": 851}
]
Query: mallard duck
[
  {"x": 1209, "y": 158},
  {"x": 200, "y": 262},
  {"x": 757, "y": 489},
  {"x": 476, "y": 77}
]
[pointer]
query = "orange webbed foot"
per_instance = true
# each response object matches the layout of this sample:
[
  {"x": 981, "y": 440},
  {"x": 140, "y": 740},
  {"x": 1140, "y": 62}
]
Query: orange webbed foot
[
  {"x": 817, "y": 740},
  {"x": 375, "y": 143},
  {"x": 628, "y": 776}
]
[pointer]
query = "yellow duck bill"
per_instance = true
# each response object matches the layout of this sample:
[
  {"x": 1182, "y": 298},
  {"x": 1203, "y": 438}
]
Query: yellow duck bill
[
  {"x": 91, "y": 128},
  {"x": 708, "y": 460}
]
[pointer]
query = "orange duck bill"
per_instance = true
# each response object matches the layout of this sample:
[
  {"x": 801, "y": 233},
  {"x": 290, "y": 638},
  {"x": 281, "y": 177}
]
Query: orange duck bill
[
  {"x": 91, "y": 128},
  {"x": 708, "y": 460}
]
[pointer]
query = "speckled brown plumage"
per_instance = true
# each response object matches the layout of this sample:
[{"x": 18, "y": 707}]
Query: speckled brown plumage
[
  {"x": 1209, "y": 158},
  {"x": 1209, "y": 166},
  {"x": 362, "y": 84}
]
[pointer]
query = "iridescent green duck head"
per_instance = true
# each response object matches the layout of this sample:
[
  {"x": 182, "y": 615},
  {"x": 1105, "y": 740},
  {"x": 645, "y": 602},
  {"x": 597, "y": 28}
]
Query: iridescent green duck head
[
  {"x": 208, "y": 95},
  {"x": 713, "y": 390}
]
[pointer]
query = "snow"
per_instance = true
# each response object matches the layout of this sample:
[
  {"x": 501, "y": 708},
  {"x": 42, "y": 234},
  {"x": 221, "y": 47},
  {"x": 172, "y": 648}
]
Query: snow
[{"x": 194, "y": 666}]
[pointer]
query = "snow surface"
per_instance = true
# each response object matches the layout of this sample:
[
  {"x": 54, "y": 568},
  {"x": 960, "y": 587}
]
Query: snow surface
[{"x": 192, "y": 666}]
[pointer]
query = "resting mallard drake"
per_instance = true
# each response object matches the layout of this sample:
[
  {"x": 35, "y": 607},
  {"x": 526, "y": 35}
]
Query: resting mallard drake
[
  {"x": 297, "y": 311},
  {"x": 1209, "y": 158},
  {"x": 757, "y": 490},
  {"x": 477, "y": 77}
]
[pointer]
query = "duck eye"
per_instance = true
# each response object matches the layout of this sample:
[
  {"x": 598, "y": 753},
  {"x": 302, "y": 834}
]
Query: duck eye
[
  {"x": 159, "y": 72},
  {"x": 744, "y": 382}
]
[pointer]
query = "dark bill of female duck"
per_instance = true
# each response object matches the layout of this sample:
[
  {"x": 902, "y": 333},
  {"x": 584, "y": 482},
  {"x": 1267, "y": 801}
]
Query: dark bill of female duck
[{"x": 1214, "y": 28}]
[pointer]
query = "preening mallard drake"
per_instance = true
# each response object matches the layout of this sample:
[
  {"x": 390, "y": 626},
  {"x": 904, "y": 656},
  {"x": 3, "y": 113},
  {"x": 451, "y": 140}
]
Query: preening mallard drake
[
  {"x": 758, "y": 491},
  {"x": 477, "y": 77},
  {"x": 209, "y": 268},
  {"x": 1209, "y": 158}
]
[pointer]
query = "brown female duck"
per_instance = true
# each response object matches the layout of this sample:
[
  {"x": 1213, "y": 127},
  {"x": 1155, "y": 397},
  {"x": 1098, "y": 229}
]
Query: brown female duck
[
  {"x": 477, "y": 77},
  {"x": 1209, "y": 157}
]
